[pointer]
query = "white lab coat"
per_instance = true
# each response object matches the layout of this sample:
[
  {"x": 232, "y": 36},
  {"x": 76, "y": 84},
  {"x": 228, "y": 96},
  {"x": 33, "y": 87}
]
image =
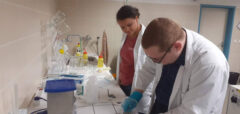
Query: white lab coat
[
  {"x": 200, "y": 84},
  {"x": 139, "y": 59}
]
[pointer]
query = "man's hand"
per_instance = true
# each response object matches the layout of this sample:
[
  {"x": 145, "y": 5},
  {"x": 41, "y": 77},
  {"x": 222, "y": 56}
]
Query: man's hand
[{"x": 131, "y": 102}]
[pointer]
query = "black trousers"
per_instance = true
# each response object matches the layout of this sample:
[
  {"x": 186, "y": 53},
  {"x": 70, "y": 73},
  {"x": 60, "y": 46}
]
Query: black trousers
[{"x": 126, "y": 89}]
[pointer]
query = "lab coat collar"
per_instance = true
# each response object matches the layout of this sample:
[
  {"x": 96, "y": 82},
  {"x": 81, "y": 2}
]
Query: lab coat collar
[
  {"x": 136, "y": 47},
  {"x": 138, "y": 42},
  {"x": 180, "y": 82},
  {"x": 140, "y": 34},
  {"x": 189, "y": 50}
]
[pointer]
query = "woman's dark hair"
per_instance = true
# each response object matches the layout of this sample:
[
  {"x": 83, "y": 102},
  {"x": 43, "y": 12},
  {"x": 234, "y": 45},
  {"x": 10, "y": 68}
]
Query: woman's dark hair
[{"x": 127, "y": 11}]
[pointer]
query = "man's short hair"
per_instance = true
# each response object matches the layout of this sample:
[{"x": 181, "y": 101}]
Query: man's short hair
[{"x": 162, "y": 32}]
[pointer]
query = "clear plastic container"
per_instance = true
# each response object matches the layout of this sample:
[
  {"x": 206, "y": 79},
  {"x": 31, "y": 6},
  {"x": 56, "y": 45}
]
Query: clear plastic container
[{"x": 74, "y": 63}]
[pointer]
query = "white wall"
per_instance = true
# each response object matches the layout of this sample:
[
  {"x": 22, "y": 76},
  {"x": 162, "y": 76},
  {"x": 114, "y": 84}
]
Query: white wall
[
  {"x": 234, "y": 56},
  {"x": 21, "y": 45},
  {"x": 94, "y": 16}
]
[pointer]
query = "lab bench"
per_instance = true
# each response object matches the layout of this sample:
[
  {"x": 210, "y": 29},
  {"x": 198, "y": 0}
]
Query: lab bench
[{"x": 110, "y": 95}]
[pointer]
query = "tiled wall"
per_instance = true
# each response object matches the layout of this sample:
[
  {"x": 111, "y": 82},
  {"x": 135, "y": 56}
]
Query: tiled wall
[{"x": 21, "y": 50}]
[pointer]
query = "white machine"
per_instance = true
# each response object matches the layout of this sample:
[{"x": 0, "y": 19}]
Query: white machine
[{"x": 234, "y": 100}]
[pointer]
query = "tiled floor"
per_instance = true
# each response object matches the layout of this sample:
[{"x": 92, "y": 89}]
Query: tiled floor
[
  {"x": 100, "y": 108},
  {"x": 85, "y": 110},
  {"x": 104, "y": 106},
  {"x": 104, "y": 109}
]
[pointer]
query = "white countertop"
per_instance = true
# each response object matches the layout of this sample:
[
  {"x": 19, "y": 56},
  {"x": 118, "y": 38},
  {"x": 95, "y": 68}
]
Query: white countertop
[{"x": 105, "y": 104}]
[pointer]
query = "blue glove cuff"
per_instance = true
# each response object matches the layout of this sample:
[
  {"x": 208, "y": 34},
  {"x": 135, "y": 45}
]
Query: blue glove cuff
[{"x": 136, "y": 95}]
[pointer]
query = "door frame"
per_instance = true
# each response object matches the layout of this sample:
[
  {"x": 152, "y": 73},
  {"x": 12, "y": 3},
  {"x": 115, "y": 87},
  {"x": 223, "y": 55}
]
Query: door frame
[{"x": 229, "y": 26}]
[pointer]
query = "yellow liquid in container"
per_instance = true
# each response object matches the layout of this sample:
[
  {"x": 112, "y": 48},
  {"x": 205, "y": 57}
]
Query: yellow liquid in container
[
  {"x": 61, "y": 51},
  {"x": 100, "y": 62},
  {"x": 85, "y": 58}
]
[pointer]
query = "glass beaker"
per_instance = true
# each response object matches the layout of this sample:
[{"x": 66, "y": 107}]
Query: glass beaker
[{"x": 74, "y": 63}]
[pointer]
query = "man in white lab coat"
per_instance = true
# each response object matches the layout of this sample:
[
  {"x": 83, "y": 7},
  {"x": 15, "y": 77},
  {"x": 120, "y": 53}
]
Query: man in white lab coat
[{"x": 190, "y": 72}]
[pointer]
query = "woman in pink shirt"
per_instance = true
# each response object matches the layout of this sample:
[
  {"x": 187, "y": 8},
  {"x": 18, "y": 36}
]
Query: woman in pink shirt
[
  {"x": 127, "y": 18},
  {"x": 131, "y": 55}
]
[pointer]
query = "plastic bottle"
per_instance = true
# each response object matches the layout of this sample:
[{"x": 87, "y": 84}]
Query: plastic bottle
[
  {"x": 61, "y": 60},
  {"x": 78, "y": 52},
  {"x": 61, "y": 51},
  {"x": 100, "y": 62},
  {"x": 80, "y": 87},
  {"x": 85, "y": 58}
]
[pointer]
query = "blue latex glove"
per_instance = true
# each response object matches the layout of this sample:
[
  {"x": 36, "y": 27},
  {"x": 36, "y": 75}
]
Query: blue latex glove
[{"x": 131, "y": 102}]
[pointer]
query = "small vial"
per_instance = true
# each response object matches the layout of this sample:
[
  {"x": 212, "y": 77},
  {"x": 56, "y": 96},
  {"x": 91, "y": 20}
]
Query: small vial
[
  {"x": 100, "y": 62},
  {"x": 85, "y": 58}
]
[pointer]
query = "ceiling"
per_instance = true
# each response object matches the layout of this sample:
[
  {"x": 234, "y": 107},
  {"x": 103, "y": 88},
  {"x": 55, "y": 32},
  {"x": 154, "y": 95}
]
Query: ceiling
[{"x": 223, "y": 2}]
